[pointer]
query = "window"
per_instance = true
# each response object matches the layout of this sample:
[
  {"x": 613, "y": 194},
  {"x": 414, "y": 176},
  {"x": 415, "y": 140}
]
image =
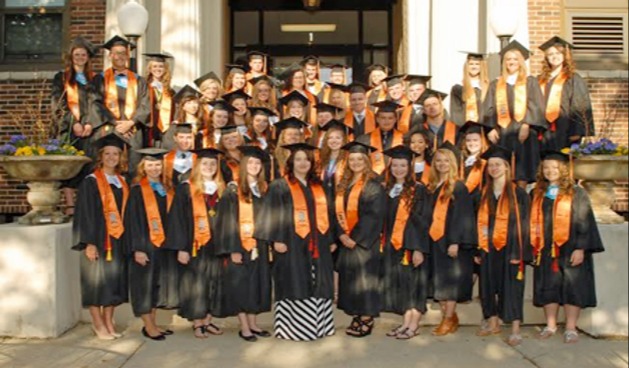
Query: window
[{"x": 32, "y": 33}]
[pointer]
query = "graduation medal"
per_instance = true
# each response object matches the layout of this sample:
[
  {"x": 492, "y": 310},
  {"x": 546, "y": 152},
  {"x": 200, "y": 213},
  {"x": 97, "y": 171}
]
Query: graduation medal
[
  {"x": 113, "y": 218},
  {"x": 254, "y": 254},
  {"x": 211, "y": 212},
  {"x": 155, "y": 225}
]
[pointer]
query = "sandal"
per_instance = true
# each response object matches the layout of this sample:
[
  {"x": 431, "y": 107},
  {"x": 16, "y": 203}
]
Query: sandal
[
  {"x": 365, "y": 328},
  {"x": 488, "y": 331},
  {"x": 213, "y": 329},
  {"x": 354, "y": 325},
  {"x": 514, "y": 340},
  {"x": 201, "y": 328},
  {"x": 407, "y": 334},
  {"x": 396, "y": 331},
  {"x": 570, "y": 337},
  {"x": 547, "y": 333}
]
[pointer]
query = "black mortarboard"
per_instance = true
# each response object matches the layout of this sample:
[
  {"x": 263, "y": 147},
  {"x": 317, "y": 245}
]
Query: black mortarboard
[
  {"x": 431, "y": 93},
  {"x": 394, "y": 79},
  {"x": 211, "y": 75},
  {"x": 309, "y": 58},
  {"x": 515, "y": 45},
  {"x": 357, "y": 147},
  {"x": 472, "y": 127},
  {"x": 183, "y": 128},
  {"x": 299, "y": 147},
  {"x": 236, "y": 68},
  {"x": 340, "y": 87},
  {"x": 288, "y": 72},
  {"x": 228, "y": 129},
  {"x": 80, "y": 42},
  {"x": 290, "y": 123},
  {"x": 357, "y": 87},
  {"x": 452, "y": 148},
  {"x": 474, "y": 54},
  {"x": 239, "y": 93},
  {"x": 261, "y": 78},
  {"x": 156, "y": 153},
  {"x": 498, "y": 152},
  {"x": 380, "y": 67},
  {"x": 386, "y": 106},
  {"x": 294, "y": 95},
  {"x": 222, "y": 105},
  {"x": 207, "y": 153},
  {"x": 417, "y": 79},
  {"x": 156, "y": 56},
  {"x": 255, "y": 110},
  {"x": 556, "y": 40},
  {"x": 336, "y": 124},
  {"x": 324, "y": 107},
  {"x": 256, "y": 55},
  {"x": 400, "y": 151},
  {"x": 253, "y": 151},
  {"x": 337, "y": 67},
  {"x": 113, "y": 139},
  {"x": 185, "y": 92},
  {"x": 555, "y": 155},
  {"x": 118, "y": 41}
]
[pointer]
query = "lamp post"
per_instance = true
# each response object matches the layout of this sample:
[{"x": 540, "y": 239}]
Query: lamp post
[
  {"x": 133, "y": 19},
  {"x": 504, "y": 21}
]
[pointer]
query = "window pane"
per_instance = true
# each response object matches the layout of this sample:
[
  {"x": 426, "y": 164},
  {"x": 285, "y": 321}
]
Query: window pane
[
  {"x": 33, "y": 36},
  {"x": 375, "y": 30},
  {"x": 29, "y": 3},
  {"x": 245, "y": 28}
]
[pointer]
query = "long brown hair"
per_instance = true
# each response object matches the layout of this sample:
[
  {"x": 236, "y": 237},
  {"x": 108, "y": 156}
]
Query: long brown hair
[
  {"x": 408, "y": 189},
  {"x": 69, "y": 71},
  {"x": 200, "y": 115},
  {"x": 483, "y": 79},
  {"x": 197, "y": 179},
  {"x": 326, "y": 152},
  {"x": 453, "y": 174},
  {"x": 523, "y": 69},
  {"x": 566, "y": 184},
  {"x": 166, "y": 79},
  {"x": 123, "y": 163},
  {"x": 348, "y": 174},
  {"x": 229, "y": 79},
  {"x": 243, "y": 183},
  {"x": 569, "y": 67},
  {"x": 289, "y": 169},
  {"x": 488, "y": 190},
  {"x": 281, "y": 154}
]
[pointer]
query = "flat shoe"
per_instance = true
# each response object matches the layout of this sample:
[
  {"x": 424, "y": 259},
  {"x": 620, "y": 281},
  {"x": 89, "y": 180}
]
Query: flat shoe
[
  {"x": 546, "y": 333},
  {"x": 159, "y": 337},
  {"x": 261, "y": 333},
  {"x": 487, "y": 332},
  {"x": 396, "y": 331},
  {"x": 570, "y": 337},
  {"x": 251, "y": 338},
  {"x": 167, "y": 332},
  {"x": 103, "y": 336},
  {"x": 213, "y": 329},
  {"x": 514, "y": 340},
  {"x": 407, "y": 334}
]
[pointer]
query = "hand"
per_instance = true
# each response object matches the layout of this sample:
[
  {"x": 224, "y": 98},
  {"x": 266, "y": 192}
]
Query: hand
[
  {"x": 418, "y": 258},
  {"x": 524, "y": 132},
  {"x": 514, "y": 261},
  {"x": 87, "y": 130},
  {"x": 183, "y": 257},
  {"x": 78, "y": 130},
  {"x": 124, "y": 126},
  {"x": 453, "y": 250},
  {"x": 576, "y": 258},
  {"x": 91, "y": 252},
  {"x": 280, "y": 247},
  {"x": 236, "y": 258},
  {"x": 333, "y": 247},
  {"x": 493, "y": 136},
  {"x": 347, "y": 241},
  {"x": 141, "y": 258},
  {"x": 478, "y": 260}
]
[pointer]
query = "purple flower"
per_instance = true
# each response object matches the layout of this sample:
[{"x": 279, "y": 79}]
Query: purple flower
[
  {"x": 54, "y": 142},
  {"x": 7, "y": 149},
  {"x": 586, "y": 151},
  {"x": 17, "y": 139}
]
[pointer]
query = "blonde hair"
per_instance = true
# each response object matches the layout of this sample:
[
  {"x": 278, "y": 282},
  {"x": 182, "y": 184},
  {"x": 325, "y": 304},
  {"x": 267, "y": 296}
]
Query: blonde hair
[
  {"x": 483, "y": 78},
  {"x": 206, "y": 84},
  {"x": 566, "y": 183},
  {"x": 522, "y": 70},
  {"x": 271, "y": 104},
  {"x": 197, "y": 179},
  {"x": 489, "y": 185},
  {"x": 326, "y": 152},
  {"x": 568, "y": 67},
  {"x": 166, "y": 79},
  {"x": 123, "y": 164},
  {"x": 140, "y": 172},
  {"x": 348, "y": 174},
  {"x": 453, "y": 174}
]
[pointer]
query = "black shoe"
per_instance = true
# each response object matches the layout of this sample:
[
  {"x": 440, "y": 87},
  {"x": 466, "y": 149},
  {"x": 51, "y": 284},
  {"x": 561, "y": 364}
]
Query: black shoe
[
  {"x": 261, "y": 333},
  {"x": 167, "y": 332},
  {"x": 159, "y": 337},
  {"x": 251, "y": 338}
]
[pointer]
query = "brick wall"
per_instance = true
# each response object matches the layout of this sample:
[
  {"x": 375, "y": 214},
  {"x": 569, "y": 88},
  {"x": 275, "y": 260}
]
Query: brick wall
[{"x": 87, "y": 19}]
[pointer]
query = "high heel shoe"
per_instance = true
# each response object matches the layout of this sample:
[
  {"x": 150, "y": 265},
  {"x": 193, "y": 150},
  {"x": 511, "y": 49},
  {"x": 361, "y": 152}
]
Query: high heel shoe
[{"x": 102, "y": 335}]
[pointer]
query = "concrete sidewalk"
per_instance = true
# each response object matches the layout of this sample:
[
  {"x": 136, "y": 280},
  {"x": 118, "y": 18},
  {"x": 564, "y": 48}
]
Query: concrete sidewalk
[{"x": 79, "y": 348}]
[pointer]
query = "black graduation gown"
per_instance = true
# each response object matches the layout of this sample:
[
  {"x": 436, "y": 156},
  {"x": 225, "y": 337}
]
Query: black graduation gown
[
  {"x": 440, "y": 134},
  {"x": 502, "y": 294},
  {"x": 359, "y": 268},
  {"x": 570, "y": 285},
  {"x": 575, "y": 114},
  {"x": 155, "y": 285},
  {"x": 417, "y": 119},
  {"x": 527, "y": 154},
  {"x": 296, "y": 274},
  {"x": 152, "y": 136},
  {"x": 452, "y": 277},
  {"x": 68, "y": 120},
  {"x": 247, "y": 286},
  {"x": 457, "y": 105},
  {"x": 199, "y": 280},
  {"x": 227, "y": 172},
  {"x": 103, "y": 283},
  {"x": 403, "y": 285}
]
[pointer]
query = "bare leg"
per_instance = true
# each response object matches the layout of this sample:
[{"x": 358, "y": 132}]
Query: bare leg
[
  {"x": 98, "y": 323},
  {"x": 252, "y": 320},
  {"x": 149, "y": 325},
  {"x": 245, "y": 330},
  {"x": 450, "y": 308},
  {"x": 336, "y": 287},
  {"x": 572, "y": 315},
  {"x": 108, "y": 313},
  {"x": 416, "y": 316},
  {"x": 550, "y": 311}
]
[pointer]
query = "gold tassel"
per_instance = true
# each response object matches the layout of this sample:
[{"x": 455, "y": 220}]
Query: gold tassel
[
  {"x": 108, "y": 257},
  {"x": 405, "y": 258},
  {"x": 194, "y": 249},
  {"x": 520, "y": 276},
  {"x": 539, "y": 258}
]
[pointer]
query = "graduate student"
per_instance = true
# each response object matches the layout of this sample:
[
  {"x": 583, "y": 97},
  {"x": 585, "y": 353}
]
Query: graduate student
[
  {"x": 452, "y": 235},
  {"x": 359, "y": 205},
  {"x": 153, "y": 281},
  {"x": 413, "y": 113},
  {"x": 189, "y": 111},
  {"x": 289, "y": 131},
  {"x": 101, "y": 202},
  {"x": 504, "y": 246},
  {"x": 418, "y": 141},
  {"x": 564, "y": 236},
  {"x": 211, "y": 88},
  {"x": 191, "y": 232},
  {"x": 466, "y": 99},
  {"x": 361, "y": 119},
  {"x": 436, "y": 124},
  {"x": 179, "y": 161},
  {"x": 405, "y": 246},
  {"x": 296, "y": 218},
  {"x": 161, "y": 102},
  {"x": 567, "y": 106},
  {"x": 474, "y": 144},
  {"x": 247, "y": 278}
]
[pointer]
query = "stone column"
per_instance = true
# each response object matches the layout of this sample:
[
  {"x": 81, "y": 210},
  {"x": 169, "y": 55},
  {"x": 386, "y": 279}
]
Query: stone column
[{"x": 417, "y": 36}]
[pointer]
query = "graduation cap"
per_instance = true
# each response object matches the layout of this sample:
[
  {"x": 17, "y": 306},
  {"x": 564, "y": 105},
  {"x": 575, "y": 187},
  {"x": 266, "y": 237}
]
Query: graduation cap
[
  {"x": 253, "y": 151},
  {"x": 187, "y": 92},
  {"x": 152, "y": 153},
  {"x": 379, "y": 67},
  {"x": 236, "y": 68},
  {"x": 256, "y": 55},
  {"x": 228, "y": 129},
  {"x": 183, "y": 128},
  {"x": 299, "y": 147},
  {"x": 471, "y": 127},
  {"x": 473, "y": 54},
  {"x": 400, "y": 151},
  {"x": 114, "y": 140},
  {"x": 357, "y": 147},
  {"x": 118, "y": 41},
  {"x": 515, "y": 45},
  {"x": 288, "y": 72},
  {"x": 239, "y": 93},
  {"x": 222, "y": 105},
  {"x": 386, "y": 106},
  {"x": 431, "y": 93},
  {"x": 497, "y": 151},
  {"x": 555, "y": 155},
  {"x": 156, "y": 56},
  {"x": 452, "y": 148},
  {"x": 554, "y": 41},
  {"x": 340, "y": 87},
  {"x": 259, "y": 110},
  {"x": 337, "y": 125},
  {"x": 289, "y": 123},
  {"x": 394, "y": 79},
  {"x": 337, "y": 67},
  {"x": 310, "y": 59},
  {"x": 265, "y": 78},
  {"x": 211, "y": 75},
  {"x": 357, "y": 87},
  {"x": 324, "y": 107},
  {"x": 417, "y": 79},
  {"x": 208, "y": 153},
  {"x": 80, "y": 42},
  {"x": 294, "y": 95}
]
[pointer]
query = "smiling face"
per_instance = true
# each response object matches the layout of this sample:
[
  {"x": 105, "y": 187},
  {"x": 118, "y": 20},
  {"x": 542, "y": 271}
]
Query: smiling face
[
  {"x": 473, "y": 67},
  {"x": 110, "y": 157},
  {"x": 357, "y": 101},
  {"x": 79, "y": 57},
  {"x": 119, "y": 56},
  {"x": 396, "y": 91},
  {"x": 260, "y": 123},
  {"x": 210, "y": 89},
  {"x": 311, "y": 72},
  {"x": 231, "y": 140},
  {"x": 512, "y": 61},
  {"x": 496, "y": 167},
  {"x": 219, "y": 118},
  {"x": 291, "y": 136},
  {"x": 337, "y": 77},
  {"x": 473, "y": 143},
  {"x": 157, "y": 69},
  {"x": 415, "y": 90},
  {"x": 191, "y": 106},
  {"x": 264, "y": 92},
  {"x": 377, "y": 76},
  {"x": 240, "y": 104},
  {"x": 153, "y": 169},
  {"x": 254, "y": 166},
  {"x": 239, "y": 81},
  {"x": 209, "y": 168},
  {"x": 554, "y": 57},
  {"x": 550, "y": 169},
  {"x": 335, "y": 140},
  {"x": 399, "y": 168},
  {"x": 301, "y": 164},
  {"x": 257, "y": 65},
  {"x": 356, "y": 162},
  {"x": 184, "y": 141},
  {"x": 299, "y": 80},
  {"x": 296, "y": 109},
  {"x": 441, "y": 163},
  {"x": 418, "y": 144}
]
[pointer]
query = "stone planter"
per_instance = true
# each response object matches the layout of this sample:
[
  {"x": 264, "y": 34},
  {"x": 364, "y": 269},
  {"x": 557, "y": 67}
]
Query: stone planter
[
  {"x": 43, "y": 174},
  {"x": 598, "y": 173}
]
